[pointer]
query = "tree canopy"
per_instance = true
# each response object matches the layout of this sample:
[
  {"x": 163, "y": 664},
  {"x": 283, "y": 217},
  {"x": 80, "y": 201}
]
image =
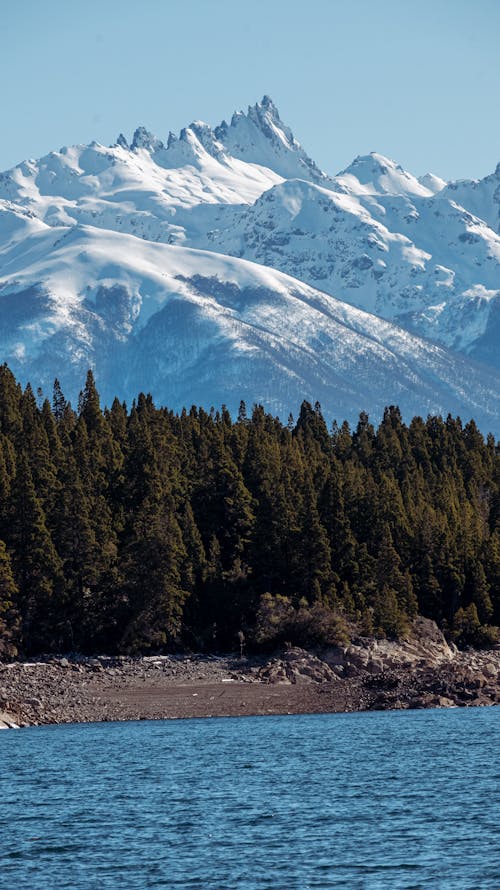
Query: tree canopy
[{"x": 140, "y": 529}]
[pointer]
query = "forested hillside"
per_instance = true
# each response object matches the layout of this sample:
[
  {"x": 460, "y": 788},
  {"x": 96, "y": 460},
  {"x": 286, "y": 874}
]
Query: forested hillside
[{"x": 138, "y": 529}]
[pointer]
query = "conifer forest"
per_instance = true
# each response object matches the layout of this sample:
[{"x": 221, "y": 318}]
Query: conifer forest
[{"x": 137, "y": 529}]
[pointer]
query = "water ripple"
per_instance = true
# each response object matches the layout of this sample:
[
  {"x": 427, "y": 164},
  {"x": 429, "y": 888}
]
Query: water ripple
[{"x": 381, "y": 801}]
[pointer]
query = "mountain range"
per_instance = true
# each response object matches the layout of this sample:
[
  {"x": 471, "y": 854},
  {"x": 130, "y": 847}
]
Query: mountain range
[{"x": 222, "y": 264}]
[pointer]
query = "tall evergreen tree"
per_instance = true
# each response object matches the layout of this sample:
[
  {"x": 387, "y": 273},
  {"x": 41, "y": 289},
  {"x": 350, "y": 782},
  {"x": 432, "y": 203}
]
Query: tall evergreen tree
[
  {"x": 154, "y": 560},
  {"x": 37, "y": 566},
  {"x": 9, "y": 616},
  {"x": 147, "y": 528}
]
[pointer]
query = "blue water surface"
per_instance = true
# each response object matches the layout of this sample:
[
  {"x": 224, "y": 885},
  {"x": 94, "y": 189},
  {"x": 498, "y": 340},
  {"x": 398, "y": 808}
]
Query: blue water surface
[{"x": 405, "y": 799}]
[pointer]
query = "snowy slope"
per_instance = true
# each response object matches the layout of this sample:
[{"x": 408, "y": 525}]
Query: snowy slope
[
  {"x": 133, "y": 259},
  {"x": 193, "y": 326},
  {"x": 147, "y": 193},
  {"x": 480, "y": 196},
  {"x": 375, "y": 174},
  {"x": 423, "y": 262}
]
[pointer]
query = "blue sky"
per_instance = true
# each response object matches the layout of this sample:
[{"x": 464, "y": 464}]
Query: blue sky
[{"x": 417, "y": 81}]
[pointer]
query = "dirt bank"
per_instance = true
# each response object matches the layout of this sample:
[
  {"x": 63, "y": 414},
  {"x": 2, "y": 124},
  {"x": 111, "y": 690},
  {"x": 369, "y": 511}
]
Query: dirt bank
[{"x": 370, "y": 674}]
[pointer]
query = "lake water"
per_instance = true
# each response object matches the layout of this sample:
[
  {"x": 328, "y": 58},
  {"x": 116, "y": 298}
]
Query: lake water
[{"x": 405, "y": 799}]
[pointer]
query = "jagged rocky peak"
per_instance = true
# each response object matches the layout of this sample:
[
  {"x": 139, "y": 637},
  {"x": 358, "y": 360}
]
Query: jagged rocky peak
[
  {"x": 145, "y": 139},
  {"x": 205, "y": 136},
  {"x": 262, "y": 113},
  {"x": 266, "y": 115},
  {"x": 259, "y": 136}
]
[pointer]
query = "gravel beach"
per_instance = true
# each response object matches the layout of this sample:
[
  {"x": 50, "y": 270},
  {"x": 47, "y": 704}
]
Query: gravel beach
[{"x": 421, "y": 672}]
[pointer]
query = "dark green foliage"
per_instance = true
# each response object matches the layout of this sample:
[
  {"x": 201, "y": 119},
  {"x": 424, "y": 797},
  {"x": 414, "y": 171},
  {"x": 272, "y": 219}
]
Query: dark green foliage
[
  {"x": 9, "y": 618},
  {"x": 278, "y": 622},
  {"x": 153, "y": 577},
  {"x": 468, "y": 631},
  {"x": 37, "y": 565},
  {"x": 142, "y": 530}
]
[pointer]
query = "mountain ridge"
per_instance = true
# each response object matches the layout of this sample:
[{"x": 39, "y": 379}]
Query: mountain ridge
[{"x": 372, "y": 239}]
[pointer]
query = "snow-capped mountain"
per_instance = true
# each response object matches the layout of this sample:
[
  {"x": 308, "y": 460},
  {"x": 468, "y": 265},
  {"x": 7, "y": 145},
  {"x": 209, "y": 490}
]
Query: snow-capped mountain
[
  {"x": 383, "y": 242},
  {"x": 480, "y": 196},
  {"x": 223, "y": 264}
]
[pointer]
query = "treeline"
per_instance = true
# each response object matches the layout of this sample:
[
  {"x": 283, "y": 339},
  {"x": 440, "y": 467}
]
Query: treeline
[{"x": 141, "y": 530}]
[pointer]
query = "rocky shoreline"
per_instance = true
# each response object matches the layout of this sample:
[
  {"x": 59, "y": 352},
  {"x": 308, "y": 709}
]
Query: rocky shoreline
[{"x": 421, "y": 672}]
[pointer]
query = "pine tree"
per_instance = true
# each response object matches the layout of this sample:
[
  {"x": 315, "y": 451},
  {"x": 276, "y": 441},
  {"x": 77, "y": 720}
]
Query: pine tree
[
  {"x": 80, "y": 553},
  {"x": 242, "y": 413},
  {"x": 59, "y": 403},
  {"x": 480, "y": 594},
  {"x": 89, "y": 406},
  {"x": 394, "y": 602},
  {"x": 154, "y": 561},
  {"x": 10, "y": 397},
  {"x": 427, "y": 587},
  {"x": 312, "y": 556},
  {"x": 37, "y": 566},
  {"x": 491, "y": 562},
  {"x": 363, "y": 439},
  {"x": 149, "y": 529},
  {"x": 9, "y": 617}
]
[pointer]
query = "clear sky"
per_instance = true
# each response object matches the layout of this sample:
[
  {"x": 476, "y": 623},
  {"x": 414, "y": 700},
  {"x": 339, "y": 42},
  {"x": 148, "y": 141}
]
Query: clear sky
[{"x": 417, "y": 81}]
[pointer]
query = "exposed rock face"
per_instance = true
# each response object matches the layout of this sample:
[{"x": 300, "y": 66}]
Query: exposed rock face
[
  {"x": 423, "y": 671},
  {"x": 427, "y": 647},
  {"x": 7, "y": 721},
  {"x": 296, "y": 666}
]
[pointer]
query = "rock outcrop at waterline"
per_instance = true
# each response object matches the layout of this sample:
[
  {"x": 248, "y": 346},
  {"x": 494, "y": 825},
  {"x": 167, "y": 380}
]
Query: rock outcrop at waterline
[
  {"x": 421, "y": 672},
  {"x": 7, "y": 721}
]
